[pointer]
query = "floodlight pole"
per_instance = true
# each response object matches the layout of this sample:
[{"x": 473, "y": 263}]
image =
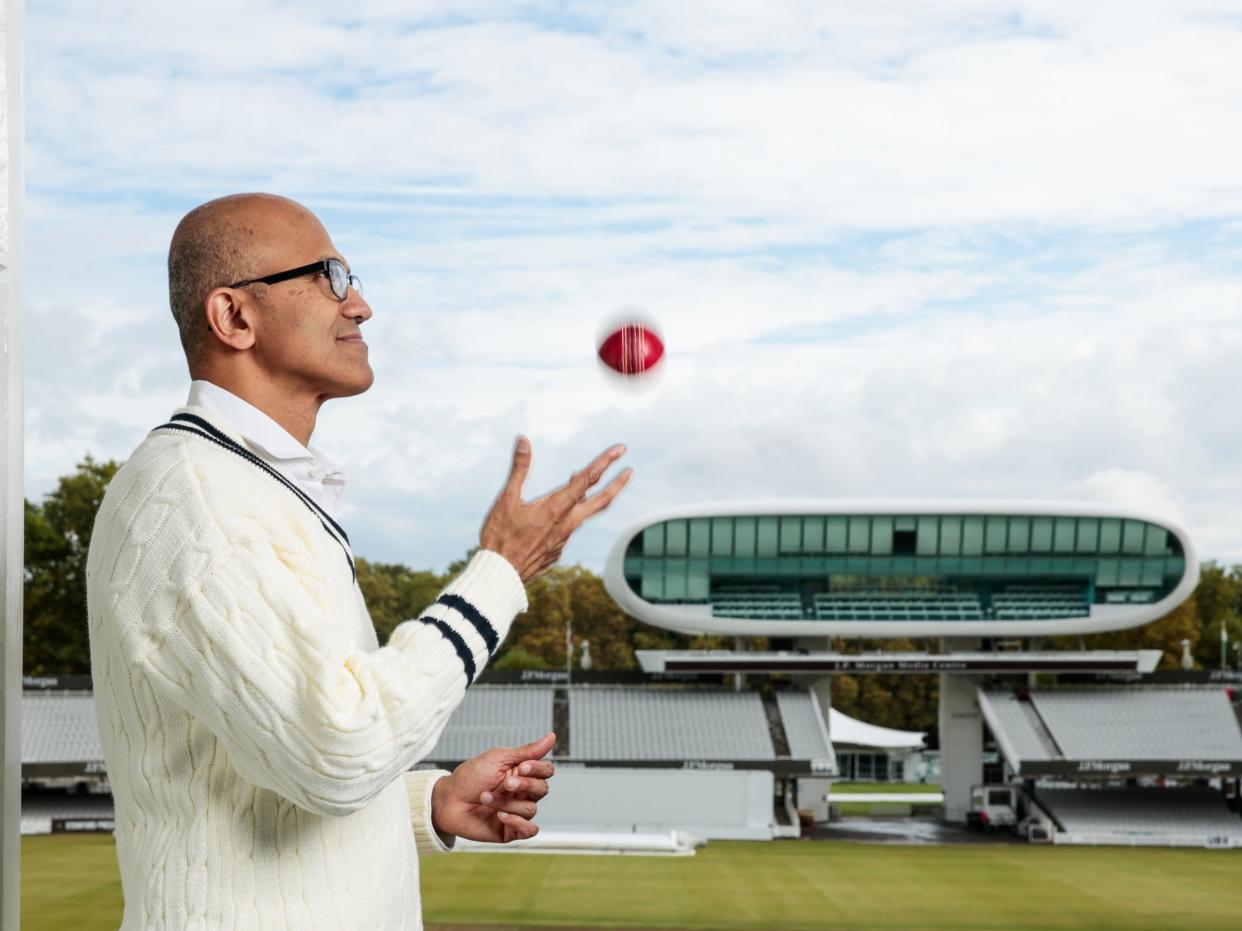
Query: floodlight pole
[{"x": 12, "y": 510}]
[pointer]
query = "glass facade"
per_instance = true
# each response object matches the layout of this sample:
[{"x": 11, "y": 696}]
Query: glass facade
[
  {"x": 866, "y": 766},
  {"x": 946, "y": 566}
]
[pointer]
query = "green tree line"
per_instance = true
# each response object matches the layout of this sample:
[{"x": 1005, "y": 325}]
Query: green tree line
[{"x": 58, "y": 534}]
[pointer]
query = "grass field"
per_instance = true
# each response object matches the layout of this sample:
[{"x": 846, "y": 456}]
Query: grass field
[{"x": 69, "y": 883}]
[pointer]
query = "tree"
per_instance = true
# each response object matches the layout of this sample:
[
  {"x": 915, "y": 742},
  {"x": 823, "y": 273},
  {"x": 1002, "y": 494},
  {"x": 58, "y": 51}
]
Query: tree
[
  {"x": 572, "y": 594},
  {"x": 1165, "y": 634},
  {"x": 58, "y": 536},
  {"x": 395, "y": 593},
  {"x": 1219, "y": 601},
  {"x": 517, "y": 658}
]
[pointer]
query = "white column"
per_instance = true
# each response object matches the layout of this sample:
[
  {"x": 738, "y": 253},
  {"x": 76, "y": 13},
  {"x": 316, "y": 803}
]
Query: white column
[
  {"x": 12, "y": 184},
  {"x": 961, "y": 743}
]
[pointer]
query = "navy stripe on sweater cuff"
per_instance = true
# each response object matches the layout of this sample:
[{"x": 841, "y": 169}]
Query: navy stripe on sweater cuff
[
  {"x": 475, "y": 617},
  {"x": 453, "y": 637}
]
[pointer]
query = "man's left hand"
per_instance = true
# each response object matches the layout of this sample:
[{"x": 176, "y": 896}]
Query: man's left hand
[{"x": 492, "y": 797}]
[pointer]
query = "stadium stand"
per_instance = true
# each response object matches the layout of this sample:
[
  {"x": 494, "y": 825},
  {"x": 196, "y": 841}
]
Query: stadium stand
[
  {"x": 1013, "y": 602},
  {"x": 1148, "y": 725},
  {"x": 931, "y": 605},
  {"x": 1026, "y": 602},
  {"x": 495, "y": 716},
  {"x": 1017, "y": 723},
  {"x": 651, "y": 724},
  {"x": 1186, "y": 816},
  {"x": 1142, "y": 724},
  {"x": 766, "y": 602},
  {"x": 805, "y": 731},
  {"x": 1102, "y": 733},
  {"x": 617, "y": 729},
  {"x": 59, "y": 727}
]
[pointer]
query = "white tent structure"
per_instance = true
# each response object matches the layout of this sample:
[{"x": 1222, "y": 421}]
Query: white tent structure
[
  {"x": 850, "y": 732},
  {"x": 870, "y": 753}
]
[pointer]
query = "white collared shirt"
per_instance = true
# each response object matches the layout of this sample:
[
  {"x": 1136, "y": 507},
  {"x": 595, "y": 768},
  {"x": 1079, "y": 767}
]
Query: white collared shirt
[{"x": 313, "y": 472}]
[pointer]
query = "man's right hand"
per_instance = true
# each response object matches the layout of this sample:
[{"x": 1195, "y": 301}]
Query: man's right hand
[{"x": 531, "y": 534}]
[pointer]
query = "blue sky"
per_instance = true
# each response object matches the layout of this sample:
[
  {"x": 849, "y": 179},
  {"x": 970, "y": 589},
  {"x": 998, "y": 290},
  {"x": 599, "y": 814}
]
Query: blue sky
[{"x": 955, "y": 250}]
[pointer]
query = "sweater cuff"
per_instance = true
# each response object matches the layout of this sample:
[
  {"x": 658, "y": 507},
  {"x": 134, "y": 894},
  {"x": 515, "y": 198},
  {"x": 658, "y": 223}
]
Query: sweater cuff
[
  {"x": 476, "y": 609},
  {"x": 419, "y": 784},
  {"x": 494, "y": 586}
]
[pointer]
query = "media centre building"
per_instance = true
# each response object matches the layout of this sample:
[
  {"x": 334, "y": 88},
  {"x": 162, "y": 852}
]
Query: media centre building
[{"x": 982, "y": 581}]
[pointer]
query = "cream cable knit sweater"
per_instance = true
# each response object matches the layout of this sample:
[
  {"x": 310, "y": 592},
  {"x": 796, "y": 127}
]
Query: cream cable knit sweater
[{"x": 257, "y": 737}]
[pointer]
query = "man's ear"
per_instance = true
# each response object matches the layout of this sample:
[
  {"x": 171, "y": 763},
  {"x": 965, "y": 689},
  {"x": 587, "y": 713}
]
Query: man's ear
[{"x": 230, "y": 315}]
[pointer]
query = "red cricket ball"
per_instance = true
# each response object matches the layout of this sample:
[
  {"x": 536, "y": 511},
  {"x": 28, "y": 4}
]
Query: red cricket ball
[{"x": 631, "y": 349}]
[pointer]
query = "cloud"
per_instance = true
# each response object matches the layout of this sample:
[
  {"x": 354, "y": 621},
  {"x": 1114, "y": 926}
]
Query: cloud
[
  {"x": 963, "y": 250},
  {"x": 1136, "y": 489},
  {"x": 905, "y": 119}
]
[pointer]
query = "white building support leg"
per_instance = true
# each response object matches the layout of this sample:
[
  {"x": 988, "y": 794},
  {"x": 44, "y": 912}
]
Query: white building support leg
[{"x": 961, "y": 743}]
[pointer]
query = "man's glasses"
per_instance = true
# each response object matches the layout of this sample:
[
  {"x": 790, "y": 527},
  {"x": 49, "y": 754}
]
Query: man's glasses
[{"x": 334, "y": 269}]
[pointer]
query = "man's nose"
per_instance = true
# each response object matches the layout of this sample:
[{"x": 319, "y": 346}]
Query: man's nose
[{"x": 355, "y": 306}]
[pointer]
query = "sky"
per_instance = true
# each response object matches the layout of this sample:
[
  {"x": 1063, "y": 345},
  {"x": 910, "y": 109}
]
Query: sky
[{"x": 962, "y": 249}]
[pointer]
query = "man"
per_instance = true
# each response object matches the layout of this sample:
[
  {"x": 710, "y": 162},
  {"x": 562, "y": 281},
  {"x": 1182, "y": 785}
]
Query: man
[{"x": 259, "y": 742}]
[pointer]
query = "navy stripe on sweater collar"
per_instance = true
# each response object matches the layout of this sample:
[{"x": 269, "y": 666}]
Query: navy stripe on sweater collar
[{"x": 197, "y": 426}]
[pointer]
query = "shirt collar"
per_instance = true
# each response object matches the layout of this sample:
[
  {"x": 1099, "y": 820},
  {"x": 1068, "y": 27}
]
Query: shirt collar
[{"x": 256, "y": 428}]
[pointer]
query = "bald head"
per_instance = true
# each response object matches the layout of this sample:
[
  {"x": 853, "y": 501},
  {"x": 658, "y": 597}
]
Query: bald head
[{"x": 217, "y": 243}]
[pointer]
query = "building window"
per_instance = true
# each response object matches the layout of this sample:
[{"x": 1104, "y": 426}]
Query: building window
[
  {"x": 1110, "y": 535},
  {"x": 813, "y": 535},
  {"x": 837, "y": 529},
  {"x": 675, "y": 538},
  {"x": 1063, "y": 535},
  {"x": 994, "y": 541},
  {"x": 766, "y": 541},
  {"x": 1041, "y": 535},
  {"x": 744, "y": 538},
  {"x": 972, "y": 536},
  {"x": 791, "y": 535},
  {"x": 1019, "y": 535},
  {"x": 951, "y": 536},
  {"x": 860, "y": 534},
  {"x": 1088, "y": 535}
]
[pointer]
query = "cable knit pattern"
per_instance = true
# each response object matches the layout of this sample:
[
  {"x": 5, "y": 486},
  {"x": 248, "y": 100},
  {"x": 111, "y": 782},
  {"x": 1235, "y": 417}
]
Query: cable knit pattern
[{"x": 258, "y": 739}]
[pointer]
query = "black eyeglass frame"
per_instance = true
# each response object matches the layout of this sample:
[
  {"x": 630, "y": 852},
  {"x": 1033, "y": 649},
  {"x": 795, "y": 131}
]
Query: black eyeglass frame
[{"x": 343, "y": 277}]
